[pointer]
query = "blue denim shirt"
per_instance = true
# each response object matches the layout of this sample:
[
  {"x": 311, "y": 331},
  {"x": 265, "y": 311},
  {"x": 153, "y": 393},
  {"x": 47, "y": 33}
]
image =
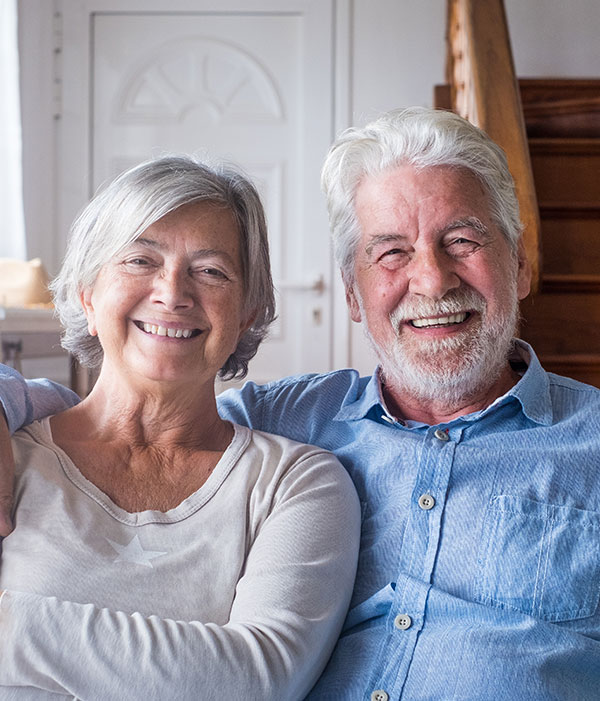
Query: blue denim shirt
[{"x": 479, "y": 571}]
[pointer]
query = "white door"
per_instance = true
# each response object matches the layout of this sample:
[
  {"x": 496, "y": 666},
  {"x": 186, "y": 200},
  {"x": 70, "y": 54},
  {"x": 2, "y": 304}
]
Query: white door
[{"x": 251, "y": 82}]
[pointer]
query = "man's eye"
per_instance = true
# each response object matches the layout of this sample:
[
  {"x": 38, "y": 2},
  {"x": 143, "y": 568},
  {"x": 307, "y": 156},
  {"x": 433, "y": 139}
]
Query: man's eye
[
  {"x": 392, "y": 257},
  {"x": 393, "y": 252},
  {"x": 462, "y": 245}
]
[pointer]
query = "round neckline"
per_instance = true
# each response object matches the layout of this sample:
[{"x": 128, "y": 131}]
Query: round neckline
[{"x": 42, "y": 432}]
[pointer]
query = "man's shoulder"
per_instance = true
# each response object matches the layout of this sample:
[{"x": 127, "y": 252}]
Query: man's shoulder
[
  {"x": 294, "y": 405},
  {"x": 322, "y": 385},
  {"x": 333, "y": 381},
  {"x": 561, "y": 384},
  {"x": 573, "y": 398}
]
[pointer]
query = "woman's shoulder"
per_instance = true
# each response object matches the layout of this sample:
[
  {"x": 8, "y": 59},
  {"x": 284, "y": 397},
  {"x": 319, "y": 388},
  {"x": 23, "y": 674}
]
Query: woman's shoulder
[
  {"x": 33, "y": 438},
  {"x": 281, "y": 448},
  {"x": 282, "y": 458}
]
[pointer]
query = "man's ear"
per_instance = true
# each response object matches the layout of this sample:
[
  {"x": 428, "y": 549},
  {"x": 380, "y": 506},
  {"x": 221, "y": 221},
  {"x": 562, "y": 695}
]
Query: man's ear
[
  {"x": 523, "y": 272},
  {"x": 352, "y": 300},
  {"x": 85, "y": 297}
]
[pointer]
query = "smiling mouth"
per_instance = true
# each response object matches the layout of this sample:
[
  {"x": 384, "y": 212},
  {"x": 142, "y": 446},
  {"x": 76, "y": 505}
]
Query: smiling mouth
[
  {"x": 155, "y": 330},
  {"x": 439, "y": 321}
]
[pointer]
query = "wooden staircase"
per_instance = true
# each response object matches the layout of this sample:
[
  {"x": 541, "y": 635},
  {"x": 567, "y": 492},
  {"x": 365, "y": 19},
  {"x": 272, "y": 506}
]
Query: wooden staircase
[
  {"x": 562, "y": 321},
  {"x": 550, "y": 131}
]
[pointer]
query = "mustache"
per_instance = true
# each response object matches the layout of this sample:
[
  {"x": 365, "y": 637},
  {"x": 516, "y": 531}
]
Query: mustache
[{"x": 453, "y": 302}]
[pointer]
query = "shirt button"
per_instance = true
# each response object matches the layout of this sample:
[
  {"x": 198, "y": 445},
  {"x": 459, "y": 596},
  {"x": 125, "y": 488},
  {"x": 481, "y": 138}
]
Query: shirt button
[
  {"x": 426, "y": 502},
  {"x": 441, "y": 435},
  {"x": 403, "y": 621},
  {"x": 379, "y": 695}
]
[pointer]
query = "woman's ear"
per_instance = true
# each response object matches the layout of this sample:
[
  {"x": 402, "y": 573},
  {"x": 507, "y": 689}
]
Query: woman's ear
[
  {"x": 85, "y": 297},
  {"x": 246, "y": 324}
]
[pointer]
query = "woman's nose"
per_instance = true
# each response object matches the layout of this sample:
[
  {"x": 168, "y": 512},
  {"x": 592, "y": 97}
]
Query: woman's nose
[
  {"x": 432, "y": 274},
  {"x": 172, "y": 289}
]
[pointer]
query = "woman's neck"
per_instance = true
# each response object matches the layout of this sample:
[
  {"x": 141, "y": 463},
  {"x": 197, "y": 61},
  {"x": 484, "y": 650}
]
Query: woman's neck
[
  {"x": 145, "y": 450},
  {"x": 150, "y": 414}
]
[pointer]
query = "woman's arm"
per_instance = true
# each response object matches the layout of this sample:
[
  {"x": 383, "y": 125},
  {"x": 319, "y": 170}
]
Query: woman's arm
[
  {"x": 21, "y": 402},
  {"x": 289, "y": 606}
]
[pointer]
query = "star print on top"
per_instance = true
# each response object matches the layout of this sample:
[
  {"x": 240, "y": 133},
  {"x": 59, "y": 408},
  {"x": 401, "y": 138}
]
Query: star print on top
[{"x": 134, "y": 553}]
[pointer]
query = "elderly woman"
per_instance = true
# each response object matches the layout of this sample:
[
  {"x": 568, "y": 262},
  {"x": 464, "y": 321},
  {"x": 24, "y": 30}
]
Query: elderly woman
[{"x": 160, "y": 552}]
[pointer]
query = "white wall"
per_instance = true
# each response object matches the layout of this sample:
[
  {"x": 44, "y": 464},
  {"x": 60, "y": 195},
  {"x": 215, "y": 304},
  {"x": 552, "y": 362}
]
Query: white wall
[{"x": 555, "y": 38}]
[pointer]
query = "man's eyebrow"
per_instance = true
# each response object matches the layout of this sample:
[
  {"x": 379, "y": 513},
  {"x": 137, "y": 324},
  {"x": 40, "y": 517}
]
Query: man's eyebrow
[
  {"x": 469, "y": 223},
  {"x": 379, "y": 239}
]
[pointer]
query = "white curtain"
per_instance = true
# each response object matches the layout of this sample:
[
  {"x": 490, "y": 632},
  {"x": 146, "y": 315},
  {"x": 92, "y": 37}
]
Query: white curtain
[{"x": 12, "y": 224}]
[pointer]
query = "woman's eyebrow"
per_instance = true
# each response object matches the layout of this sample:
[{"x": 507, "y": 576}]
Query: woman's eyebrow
[
  {"x": 151, "y": 243},
  {"x": 199, "y": 253}
]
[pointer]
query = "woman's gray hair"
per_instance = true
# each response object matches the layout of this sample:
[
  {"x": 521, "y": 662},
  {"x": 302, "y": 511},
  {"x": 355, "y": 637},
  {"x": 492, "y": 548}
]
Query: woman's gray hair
[
  {"x": 423, "y": 138},
  {"x": 131, "y": 203}
]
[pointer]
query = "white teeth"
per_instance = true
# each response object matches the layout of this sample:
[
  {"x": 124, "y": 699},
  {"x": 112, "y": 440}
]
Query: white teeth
[
  {"x": 164, "y": 331},
  {"x": 440, "y": 320}
]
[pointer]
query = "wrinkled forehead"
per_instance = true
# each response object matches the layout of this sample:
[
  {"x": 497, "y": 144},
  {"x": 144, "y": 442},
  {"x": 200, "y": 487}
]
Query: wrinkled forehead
[{"x": 401, "y": 194}]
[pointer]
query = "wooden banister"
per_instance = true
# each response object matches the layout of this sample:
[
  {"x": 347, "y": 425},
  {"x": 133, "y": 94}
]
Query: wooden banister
[{"x": 484, "y": 90}]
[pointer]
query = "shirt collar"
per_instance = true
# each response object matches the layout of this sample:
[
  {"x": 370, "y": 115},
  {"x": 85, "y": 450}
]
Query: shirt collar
[
  {"x": 532, "y": 392},
  {"x": 369, "y": 401},
  {"x": 533, "y": 389}
]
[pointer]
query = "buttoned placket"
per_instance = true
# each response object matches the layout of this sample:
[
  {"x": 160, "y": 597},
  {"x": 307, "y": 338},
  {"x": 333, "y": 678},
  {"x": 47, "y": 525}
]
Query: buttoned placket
[{"x": 417, "y": 561}]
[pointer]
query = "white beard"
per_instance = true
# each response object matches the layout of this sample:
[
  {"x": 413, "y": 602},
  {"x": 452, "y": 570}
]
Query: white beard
[{"x": 453, "y": 369}]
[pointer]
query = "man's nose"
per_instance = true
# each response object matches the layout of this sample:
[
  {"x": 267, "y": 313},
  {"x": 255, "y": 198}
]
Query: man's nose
[
  {"x": 432, "y": 274},
  {"x": 172, "y": 289}
]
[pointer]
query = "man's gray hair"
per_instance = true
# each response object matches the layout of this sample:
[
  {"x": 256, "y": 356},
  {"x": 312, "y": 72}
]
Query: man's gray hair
[
  {"x": 422, "y": 138},
  {"x": 131, "y": 203}
]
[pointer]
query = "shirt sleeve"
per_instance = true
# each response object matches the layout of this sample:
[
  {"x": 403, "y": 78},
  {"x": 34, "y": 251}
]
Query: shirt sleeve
[
  {"x": 284, "y": 407},
  {"x": 244, "y": 406},
  {"x": 25, "y": 401},
  {"x": 288, "y": 609}
]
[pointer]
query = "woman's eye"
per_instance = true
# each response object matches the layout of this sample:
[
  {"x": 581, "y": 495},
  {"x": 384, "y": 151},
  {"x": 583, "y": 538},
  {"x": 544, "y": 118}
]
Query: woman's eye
[
  {"x": 138, "y": 262},
  {"x": 212, "y": 272}
]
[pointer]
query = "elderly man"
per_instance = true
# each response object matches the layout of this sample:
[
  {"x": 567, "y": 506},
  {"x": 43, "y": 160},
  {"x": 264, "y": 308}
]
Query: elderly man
[{"x": 478, "y": 472}]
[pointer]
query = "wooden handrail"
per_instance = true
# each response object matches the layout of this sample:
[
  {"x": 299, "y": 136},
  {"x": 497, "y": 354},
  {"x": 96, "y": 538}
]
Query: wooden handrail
[{"x": 484, "y": 90}]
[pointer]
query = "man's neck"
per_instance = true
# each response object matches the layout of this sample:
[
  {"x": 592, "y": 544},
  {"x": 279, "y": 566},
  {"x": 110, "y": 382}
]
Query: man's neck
[{"x": 432, "y": 411}]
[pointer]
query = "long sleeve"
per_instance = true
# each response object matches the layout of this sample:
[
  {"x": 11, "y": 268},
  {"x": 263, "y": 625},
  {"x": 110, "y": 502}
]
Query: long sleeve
[
  {"x": 287, "y": 611},
  {"x": 25, "y": 401}
]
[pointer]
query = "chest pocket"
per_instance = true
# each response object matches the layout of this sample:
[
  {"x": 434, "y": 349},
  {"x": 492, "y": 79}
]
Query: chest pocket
[{"x": 540, "y": 559}]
